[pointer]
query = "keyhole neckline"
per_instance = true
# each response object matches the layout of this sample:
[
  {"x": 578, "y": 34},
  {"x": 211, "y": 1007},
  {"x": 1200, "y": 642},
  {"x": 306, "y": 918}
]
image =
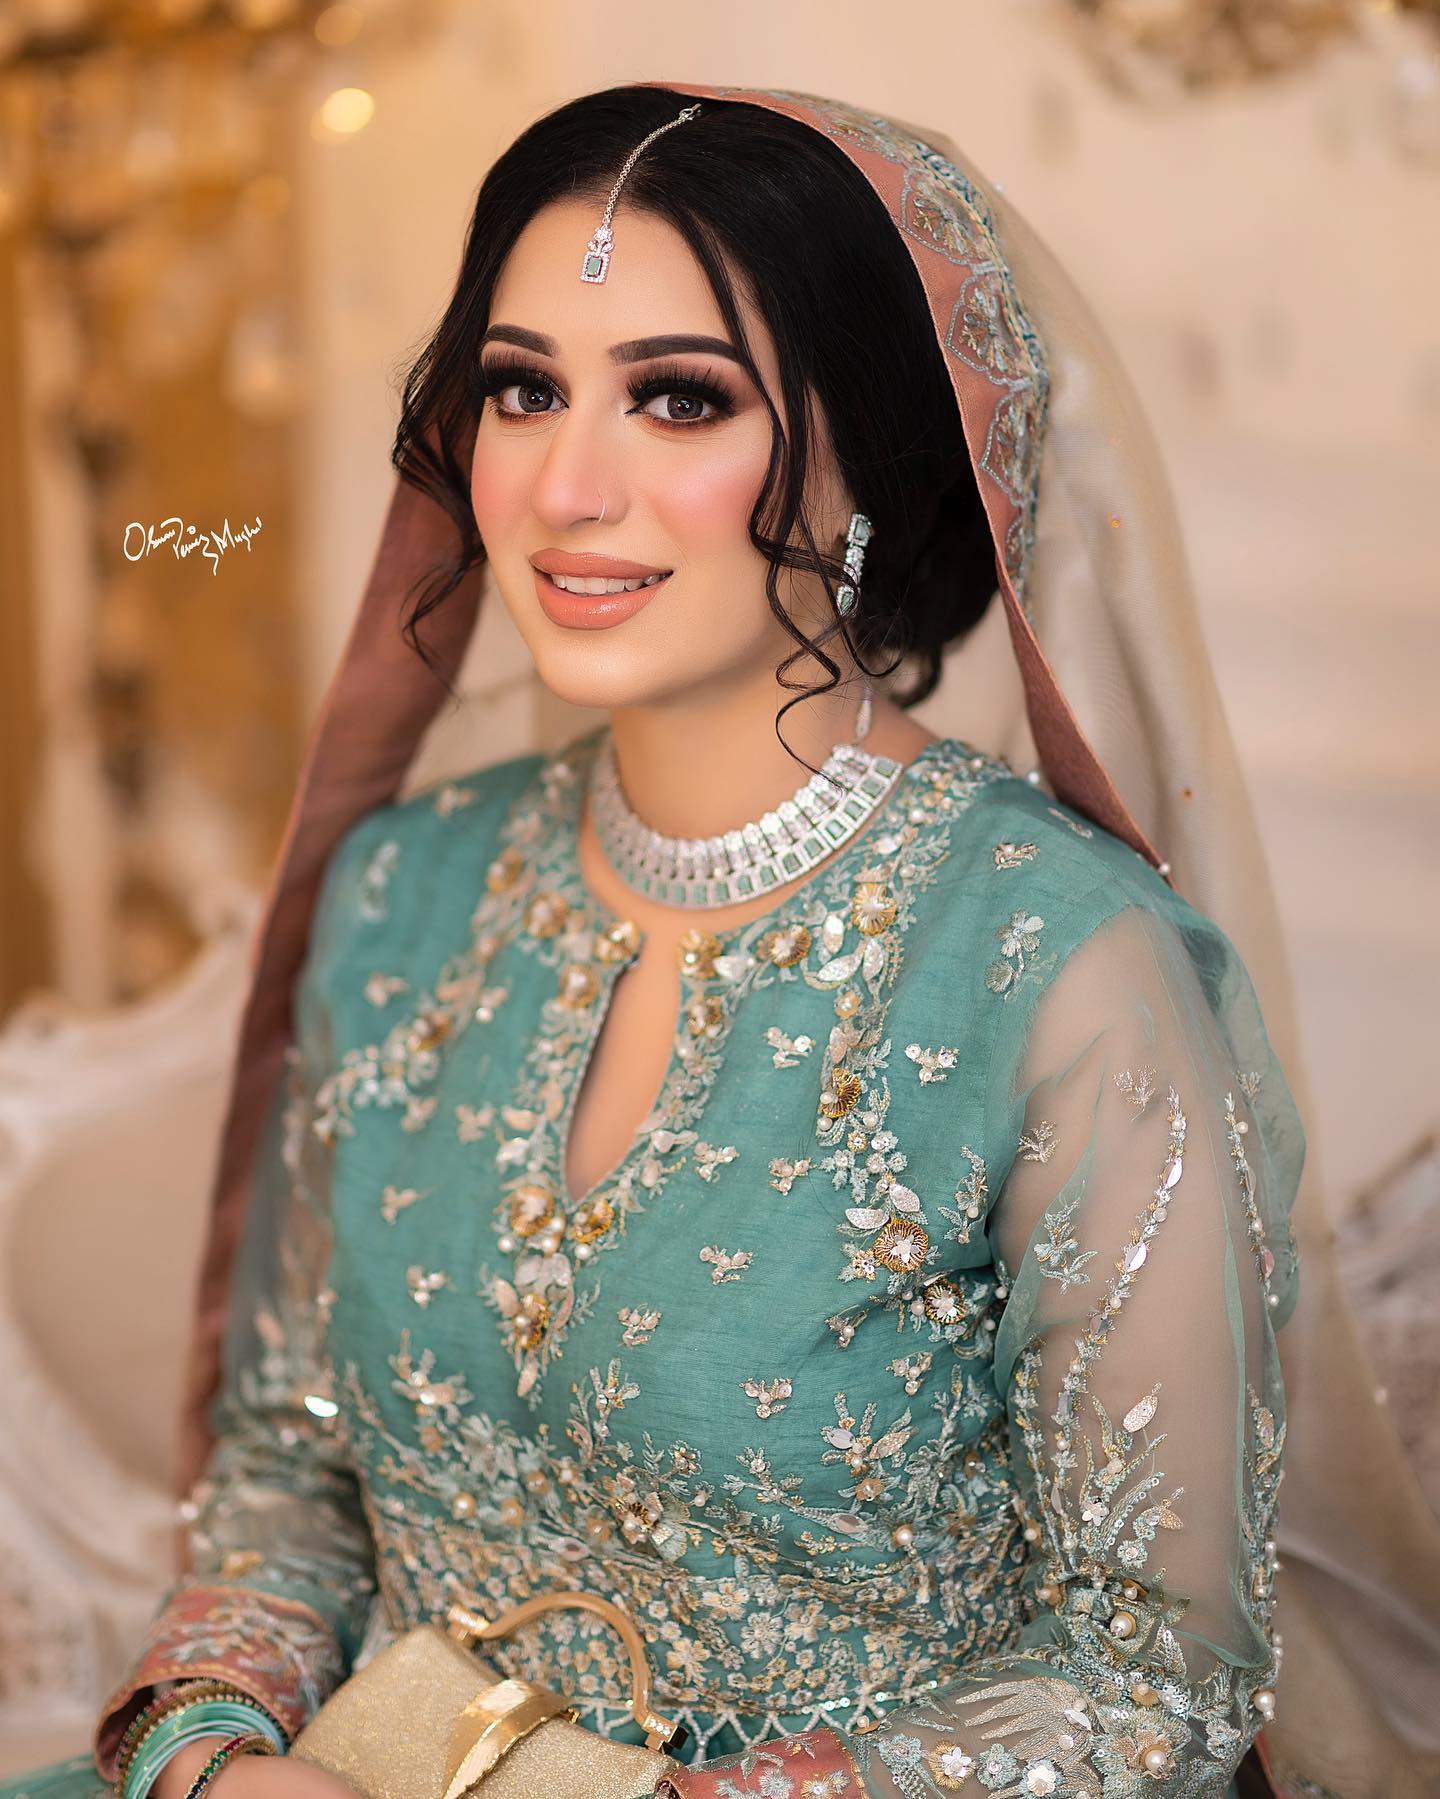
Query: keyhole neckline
[{"x": 570, "y": 879}]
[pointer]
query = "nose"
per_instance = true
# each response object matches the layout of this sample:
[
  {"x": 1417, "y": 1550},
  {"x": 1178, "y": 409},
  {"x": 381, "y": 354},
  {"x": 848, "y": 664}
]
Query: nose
[{"x": 579, "y": 478}]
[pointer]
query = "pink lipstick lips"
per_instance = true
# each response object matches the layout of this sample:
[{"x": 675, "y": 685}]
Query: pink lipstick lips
[{"x": 590, "y": 592}]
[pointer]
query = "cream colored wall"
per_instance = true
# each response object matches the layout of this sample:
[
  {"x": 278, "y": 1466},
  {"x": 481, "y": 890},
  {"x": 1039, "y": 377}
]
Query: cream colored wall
[{"x": 1260, "y": 259}]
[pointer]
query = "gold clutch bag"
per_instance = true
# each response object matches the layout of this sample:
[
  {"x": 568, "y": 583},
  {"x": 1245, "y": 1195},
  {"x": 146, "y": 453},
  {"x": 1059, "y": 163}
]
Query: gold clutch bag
[{"x": 427, "y": 1719}]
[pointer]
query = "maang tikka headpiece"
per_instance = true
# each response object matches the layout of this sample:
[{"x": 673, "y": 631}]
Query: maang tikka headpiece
[{"x": 597, "y": 252}]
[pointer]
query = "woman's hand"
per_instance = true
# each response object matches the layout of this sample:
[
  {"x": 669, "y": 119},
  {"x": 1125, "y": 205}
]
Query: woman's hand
[{"x": 248, "y": 1776}]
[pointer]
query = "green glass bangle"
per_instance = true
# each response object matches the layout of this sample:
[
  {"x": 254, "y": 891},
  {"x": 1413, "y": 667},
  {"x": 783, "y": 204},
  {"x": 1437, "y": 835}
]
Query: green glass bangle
[
  {"x": 250, "y": 1742},
  {"x": 205, "y": 1718},
  {"x": 186, "y": 1693}
]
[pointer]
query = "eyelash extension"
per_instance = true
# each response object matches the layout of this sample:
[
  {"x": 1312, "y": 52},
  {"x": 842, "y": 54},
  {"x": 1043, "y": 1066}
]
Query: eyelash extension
[
  {"x": 673, "y": 380},
  {"x": 490, "y": 379}
]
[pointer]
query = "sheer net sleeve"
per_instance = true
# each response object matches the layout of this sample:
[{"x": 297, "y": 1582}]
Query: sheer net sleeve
[
  {"x": 1141, "y": 1230},
  {"x": 281, "y": 1573}
]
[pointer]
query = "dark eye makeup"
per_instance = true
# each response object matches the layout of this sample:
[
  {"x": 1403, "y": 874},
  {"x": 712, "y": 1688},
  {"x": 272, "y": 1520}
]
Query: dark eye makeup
[{"x": 492, "y": 377}]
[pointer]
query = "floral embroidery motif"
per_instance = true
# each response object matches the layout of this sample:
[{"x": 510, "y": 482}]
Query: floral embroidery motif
[
  {"x": 547, "y": 913},
  {"x": 1133, "y": 1256},
  {"x": 380, "y": 989},
  {"x": 826, "y": 1786},
  {"x": 369, "y": 1077},
  {"x": 370, "y": 902},
  {"x": 929, "y": 210},
  {"x": 912, "y": 1370},
  {"x": 872, "y": 908},
  {"x": 697, "y": 953},
  {"x": 972, "y": 1197},
  {"x": 424, "y": 1286},
  {"x": 705, "y": 1015},
  {"x": 788, "y": 1050},
  {"x": 1059, "y": 1740},
  {"x": 1039, "y": 1143},
  {"x": 900, "y": 1245},
  {"x": 1014, "y": 855},
  {"x": 709, "y": 1161},
  {"x": 415, "y": 1381},
  {"x": 864, "y": 1453},
  {"x": 532, "y": 1209},
  {"x": 726, "y": 1265},
  {"x": 844, "y": 1325},
  {"x": 950, "y": 1765},
  {"x": 472, "y": 1122},
  {"x": 934, "y": 1064},
  {"x": 1018, "y": 939},
  {"x": 1138, "y": 1086},
  {"x": 394, "y": 1200},
  {"x": 769, "y": 1395},
  {"x": 842, "y": 1095},
  {"x": 785, "y": 946},
  {"x": 784, "y": 1173},
  {"x": 452, "y": 798},
  {"x": 1100, "y": 1510},
  {"x": 1060, "y": 1256},
  {"x": 639, "y": 1322}
]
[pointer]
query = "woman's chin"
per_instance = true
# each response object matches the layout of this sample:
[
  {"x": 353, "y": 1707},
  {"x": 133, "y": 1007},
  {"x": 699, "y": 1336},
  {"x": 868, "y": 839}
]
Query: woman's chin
[
  {"x": 649, "y": 660},
  {"x": 578, "y": 681}
]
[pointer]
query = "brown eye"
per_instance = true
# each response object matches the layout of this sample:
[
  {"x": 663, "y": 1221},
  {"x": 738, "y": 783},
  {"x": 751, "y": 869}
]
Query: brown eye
[
  {"x": 528, "y": 398},
  {"x": 678, "y": 408},
  {"x": 686, "y": 400}
]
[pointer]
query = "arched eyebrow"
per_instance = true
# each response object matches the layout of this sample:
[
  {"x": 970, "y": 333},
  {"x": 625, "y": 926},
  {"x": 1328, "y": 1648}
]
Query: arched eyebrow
[
  {"x": 638, "y": 349},
  {"x": 641, "y": 349}
]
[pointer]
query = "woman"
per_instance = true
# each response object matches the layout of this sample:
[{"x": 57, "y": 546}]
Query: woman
[{"x": 862, "y": 1258}]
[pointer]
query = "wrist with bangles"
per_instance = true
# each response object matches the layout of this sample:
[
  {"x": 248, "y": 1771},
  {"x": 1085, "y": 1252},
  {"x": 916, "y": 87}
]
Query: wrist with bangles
[
  {"x": 170, "y": 1722},
  {"x": 247, "y": 1742}
]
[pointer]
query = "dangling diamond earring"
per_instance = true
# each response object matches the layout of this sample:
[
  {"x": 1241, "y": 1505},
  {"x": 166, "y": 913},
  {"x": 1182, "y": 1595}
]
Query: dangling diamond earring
[
  {"x": 863, "y": 716},
  {"x": 856, "y": 538}
]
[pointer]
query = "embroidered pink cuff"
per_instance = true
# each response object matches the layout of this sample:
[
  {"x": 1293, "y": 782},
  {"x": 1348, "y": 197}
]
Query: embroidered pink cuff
[
  {"x": 819, "y": 1763},
  {"x": 278, "y": 1652}
]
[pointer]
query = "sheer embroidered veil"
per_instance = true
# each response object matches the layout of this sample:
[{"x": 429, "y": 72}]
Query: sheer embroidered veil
[{"x": 1117, "y": 702}]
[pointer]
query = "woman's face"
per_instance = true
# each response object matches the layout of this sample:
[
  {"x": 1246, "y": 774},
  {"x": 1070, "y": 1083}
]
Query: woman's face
[{"x": 626, "y": 394}]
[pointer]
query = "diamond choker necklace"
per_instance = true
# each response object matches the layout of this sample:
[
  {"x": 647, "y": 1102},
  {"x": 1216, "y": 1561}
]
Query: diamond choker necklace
[{"x": 780, "y": 847}]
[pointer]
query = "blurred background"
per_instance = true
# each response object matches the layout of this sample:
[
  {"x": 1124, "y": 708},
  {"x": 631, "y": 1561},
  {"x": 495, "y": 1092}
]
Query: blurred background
[{"x": 223, "y": 230}]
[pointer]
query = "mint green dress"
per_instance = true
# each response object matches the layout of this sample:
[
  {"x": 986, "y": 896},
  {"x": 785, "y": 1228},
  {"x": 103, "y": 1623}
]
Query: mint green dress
[{"x": 913, "y": 1374}]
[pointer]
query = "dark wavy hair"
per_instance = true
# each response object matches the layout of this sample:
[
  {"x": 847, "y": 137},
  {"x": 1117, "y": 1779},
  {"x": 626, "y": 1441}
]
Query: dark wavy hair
[{"x": 766, "y": 200}]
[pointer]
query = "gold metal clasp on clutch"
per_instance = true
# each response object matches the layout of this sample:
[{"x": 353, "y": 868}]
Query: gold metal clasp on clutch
[
  {"x": 470, "y": 1627},
  {"x": 491, "y": 1725},
  {"x": 465, "y": 1626}
]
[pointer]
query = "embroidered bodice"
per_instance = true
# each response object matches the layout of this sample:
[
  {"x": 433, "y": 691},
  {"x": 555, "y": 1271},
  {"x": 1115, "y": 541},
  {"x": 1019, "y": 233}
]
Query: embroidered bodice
[{"x": 912, "y": 1374}]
